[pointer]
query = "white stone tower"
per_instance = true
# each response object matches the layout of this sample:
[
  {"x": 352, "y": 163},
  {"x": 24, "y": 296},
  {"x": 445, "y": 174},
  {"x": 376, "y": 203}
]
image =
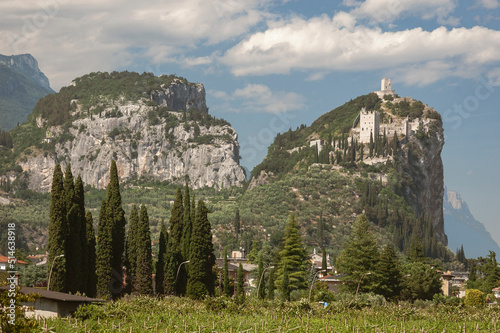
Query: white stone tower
[
  {"x": 385, "y": 84},
  {"x": 369, "y": 123},
  {"x": 385, "y": 88}
]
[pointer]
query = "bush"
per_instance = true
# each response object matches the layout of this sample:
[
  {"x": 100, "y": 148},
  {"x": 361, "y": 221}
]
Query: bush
[{"x": 474, "y": 298}]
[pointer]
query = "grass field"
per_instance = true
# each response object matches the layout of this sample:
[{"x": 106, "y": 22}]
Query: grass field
[{"x": 171, "y": 314}]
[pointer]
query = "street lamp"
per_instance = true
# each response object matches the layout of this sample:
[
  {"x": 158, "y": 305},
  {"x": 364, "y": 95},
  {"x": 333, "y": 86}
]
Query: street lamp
[
  {"x": 359, "y": 283},
  {"x": 312, "y": 284},
  {"x": 179, "y": 268},
  {"x": 51, "y": 267},
  {"x": 260, "y": 280}
]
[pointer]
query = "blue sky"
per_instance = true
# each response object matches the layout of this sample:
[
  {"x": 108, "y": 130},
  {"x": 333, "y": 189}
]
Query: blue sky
[{"x": 270, "y": 65}]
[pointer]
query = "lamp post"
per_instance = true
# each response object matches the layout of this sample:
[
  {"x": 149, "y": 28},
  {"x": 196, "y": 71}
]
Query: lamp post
[
  {"x": 51, "y": 267},
  {"x": 261, "y": 276},
  {"x": 359, "y": 283},
  {"x": 179, "y": 268},
  {"x": 312, "y": 284}
]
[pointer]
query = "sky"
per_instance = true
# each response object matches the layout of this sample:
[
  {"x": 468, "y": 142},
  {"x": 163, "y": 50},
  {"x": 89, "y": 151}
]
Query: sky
[{"x": 268, "y": 65}]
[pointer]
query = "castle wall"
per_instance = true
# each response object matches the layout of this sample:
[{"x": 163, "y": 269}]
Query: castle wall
[{"x": 369, "y": 123}]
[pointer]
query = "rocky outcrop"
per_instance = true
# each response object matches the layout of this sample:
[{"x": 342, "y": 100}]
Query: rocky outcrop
[
  {"x": 181, "y": 96},
  {"x": 145, "y": 144},
  {"x": 421, "y": 161}
]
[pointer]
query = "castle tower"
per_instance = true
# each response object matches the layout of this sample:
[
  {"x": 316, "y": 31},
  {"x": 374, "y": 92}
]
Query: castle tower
[
  {"x": 385, "y": 88},
  {"x": 369, "y": 124}
]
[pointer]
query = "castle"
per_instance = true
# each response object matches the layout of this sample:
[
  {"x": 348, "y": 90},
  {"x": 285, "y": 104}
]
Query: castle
[
  {"x": 369, "y": 123},
  {"x": 385, "y": 89}
]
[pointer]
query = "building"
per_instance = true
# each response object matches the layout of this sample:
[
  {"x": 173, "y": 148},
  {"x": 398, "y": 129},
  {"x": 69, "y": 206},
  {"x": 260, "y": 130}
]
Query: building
[
  {"x": 52, "y": 303},
  {"x": 369, "y": 123},
  {"x": 385, "y": 88},
  {"x": 233, "y": 264},
  {"x": 4, "y": 263}
]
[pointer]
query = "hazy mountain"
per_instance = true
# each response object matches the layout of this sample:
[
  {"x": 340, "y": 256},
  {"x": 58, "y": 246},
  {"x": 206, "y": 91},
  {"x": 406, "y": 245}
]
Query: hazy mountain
[
  {"x": 22, "y": 84},
  {"x": 462, "y": 228}
]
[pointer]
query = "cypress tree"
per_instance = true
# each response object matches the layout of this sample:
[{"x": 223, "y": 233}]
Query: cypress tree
[
  {"x": 240, "y": 286},
  {"x": 143, "y": 283},
  {"x": 294, "y": 257},
  {"x": 162, "y": 242},
  {"x": 132, "y": 244},
  {"x": 227, "y": 290},
  {"x": 116, "y": 217},
  {"x": 73, "y": 246},
  {"x": 270, "y": 285},
  {"x": 188, "y": 225},
  {"x": 395, "y": 144},
  {"x": 82, "y": 239},
  {"x": 260, "y": 269},
  {"x": 58, "y": 231},
  {"x": 175, "y": 284},
  {"x": 285, "y": 284},
  {"x": 371, "y": 145},
  {"x": 237, "y": 223},
  {"x": 91, "y": 256},
  {"x": 324, "y": 264},
  {"x": 320, "y": 230},
  {"x": 104, "y": 255},
  {"x": 201, "y": 280}
]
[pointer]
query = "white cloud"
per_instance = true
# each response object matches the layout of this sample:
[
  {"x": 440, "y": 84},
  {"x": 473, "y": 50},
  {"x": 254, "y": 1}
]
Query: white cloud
[
  {"x": 71, "y": 38},
  {"x": 259, "y": 98},
  {"x": 381, "y": 11},
  {"x": 323, "y": 44},
  {"x": 488, "y": 4}
]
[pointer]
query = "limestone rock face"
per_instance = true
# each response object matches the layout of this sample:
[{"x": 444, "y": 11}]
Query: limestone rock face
[
  {"x": 422, "y": 162},
  {"x": 26, "y": 64},
  {"x": 144, "y": 143}
]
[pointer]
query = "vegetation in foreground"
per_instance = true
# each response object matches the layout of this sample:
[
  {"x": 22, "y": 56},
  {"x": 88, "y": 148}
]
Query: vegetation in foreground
[{"x": 367, "y": 313}]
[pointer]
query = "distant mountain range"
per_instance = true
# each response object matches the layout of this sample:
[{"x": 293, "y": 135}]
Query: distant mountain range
[
  {"x": 22, "y": 84},
  {"x": 463, "y": 229}
]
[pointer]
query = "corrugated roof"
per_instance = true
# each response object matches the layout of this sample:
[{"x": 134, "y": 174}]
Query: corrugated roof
[{"x": 55, "y": 295}]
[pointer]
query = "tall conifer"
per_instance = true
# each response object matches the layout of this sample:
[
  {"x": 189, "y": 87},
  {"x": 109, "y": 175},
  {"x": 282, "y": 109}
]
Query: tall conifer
[
  {"x": 58, "y": 231},
  {"x": 132, "y": 244},
  {"x": 82, "y": 235},
  {"x": 201, "y": 280},
  {"x": 116, "y": 217},
  {"x": 160, "y": 264},
  {"x": 144, "y": 265},
  {"x": 240, "y": 285},
  {"x": 104, "y": 254},
  {"x": 91, "y": 281},
  {"x": 188, "y": 224},
  {"x": 175, "y": 283},
  {"x": 227, "y": 291}
]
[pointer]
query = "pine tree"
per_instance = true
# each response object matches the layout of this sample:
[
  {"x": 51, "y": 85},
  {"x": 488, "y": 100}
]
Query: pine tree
[
  {"x": 390, "y": 282},
  {"x": 175, "y": 284},
  {"x": 201, "y": 278},
  {"x": 227, "y": 290},
  {"x": 160, "y": 264},
  {"x": 58, "y": 231},
  {"x": 104, "y": 255},
  {"x": 360, "y": 256},
  {"x": 293, "y": 256},
  {"x": 91, "y": 256},
  {"x": 116, "y": 218},
  {"x": 143, "y": 283},
  {"x": 240, "y": 285},
  {"x": 131, "y": 245}
]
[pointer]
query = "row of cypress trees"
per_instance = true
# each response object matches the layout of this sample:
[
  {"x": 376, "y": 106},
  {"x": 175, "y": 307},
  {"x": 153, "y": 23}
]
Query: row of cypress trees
[
  {"x": 72, "y": 242},
  {"x": 95, "y": 267}
]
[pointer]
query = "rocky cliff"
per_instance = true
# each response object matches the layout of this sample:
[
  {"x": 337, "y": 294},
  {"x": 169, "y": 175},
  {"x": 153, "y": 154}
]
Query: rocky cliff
[
  {"x": 22, "y": 84},
  {"x": 162, "y": 133},
  {"x": 463, "y": 229}
]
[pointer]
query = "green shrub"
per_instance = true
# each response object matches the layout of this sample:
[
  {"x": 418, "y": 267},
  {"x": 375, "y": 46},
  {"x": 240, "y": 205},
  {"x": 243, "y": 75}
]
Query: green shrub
[{"x": 474, "y": 298}]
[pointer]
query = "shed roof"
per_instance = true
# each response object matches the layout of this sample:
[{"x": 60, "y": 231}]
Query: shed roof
[{"x": 55, "y": 295}]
